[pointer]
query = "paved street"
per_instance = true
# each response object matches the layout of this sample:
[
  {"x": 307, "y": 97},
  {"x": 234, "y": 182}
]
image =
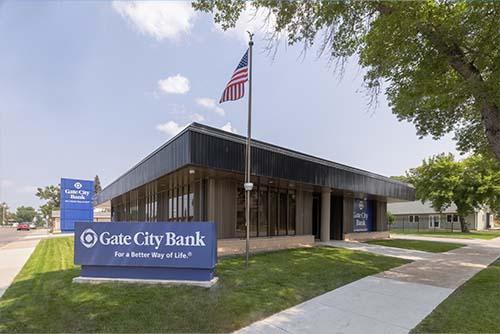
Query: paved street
[
  {"x": 393, "y": 301},
  {"x": 10, "y": 234}
]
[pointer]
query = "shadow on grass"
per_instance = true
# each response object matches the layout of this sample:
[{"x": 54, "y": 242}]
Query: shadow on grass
[{"x": 49, "y": 302}]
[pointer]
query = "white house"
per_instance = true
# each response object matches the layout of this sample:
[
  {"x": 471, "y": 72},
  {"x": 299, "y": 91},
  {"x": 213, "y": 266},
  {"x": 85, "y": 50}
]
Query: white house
[{"x": 421, "y": 216}]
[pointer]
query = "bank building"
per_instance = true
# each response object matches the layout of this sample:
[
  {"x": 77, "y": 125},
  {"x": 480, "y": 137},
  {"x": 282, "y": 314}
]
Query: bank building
[{"x": 198, "y": 175}]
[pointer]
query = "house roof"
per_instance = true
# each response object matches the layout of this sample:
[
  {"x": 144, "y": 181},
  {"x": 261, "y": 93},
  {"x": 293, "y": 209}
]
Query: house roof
[{"x": 416, "y": 208}]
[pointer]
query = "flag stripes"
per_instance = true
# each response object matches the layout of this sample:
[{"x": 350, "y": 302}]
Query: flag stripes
[{"x": 235, "y": 88}]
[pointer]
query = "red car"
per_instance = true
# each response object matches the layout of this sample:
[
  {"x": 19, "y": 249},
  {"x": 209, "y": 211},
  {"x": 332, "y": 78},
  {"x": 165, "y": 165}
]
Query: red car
[{"x": 23, "y": 226}]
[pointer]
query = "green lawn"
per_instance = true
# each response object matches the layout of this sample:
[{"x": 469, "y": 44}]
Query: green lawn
[
  {"x": 421, "y": 245},
  {"x": 43, "y": 298},
  {"x": 472, "y": 308},
  {"x": 448, "y": 234}
]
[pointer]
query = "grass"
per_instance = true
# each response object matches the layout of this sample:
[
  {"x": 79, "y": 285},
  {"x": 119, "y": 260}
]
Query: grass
[
  {"x": 421, "y": 245},
  {"x": 43, "y": 298},
  {"x": 472, "y": 308},
  {"x": 486, "y": 235}
]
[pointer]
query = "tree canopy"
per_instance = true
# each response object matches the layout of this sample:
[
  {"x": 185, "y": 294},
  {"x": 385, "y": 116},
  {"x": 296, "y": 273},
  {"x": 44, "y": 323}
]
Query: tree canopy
[
  {"x": 51, "y": 195},
  {"x": 25, "y": 214},
  {"x": 471, "y": 184},
  {"x": 97, "y": 185},
  {"x": 439, "y": 60}
]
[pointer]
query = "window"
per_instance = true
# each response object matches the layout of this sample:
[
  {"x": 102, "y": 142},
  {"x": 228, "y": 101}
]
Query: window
[
  {"x": 413, "y": 219},
  {"x": 191, "y": 205},
  {"x": 240, "y": 213},
  {"x": 291, "y": 213},
  {"x": 452, "y": 218},
  {"x": 455, "y": 218},
  {"x": 263, "y": 204},
  {"x": 434, "y": 221},
  {"x": 410, "y": 219}
]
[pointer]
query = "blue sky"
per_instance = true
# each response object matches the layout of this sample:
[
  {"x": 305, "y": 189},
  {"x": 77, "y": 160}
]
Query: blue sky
[{"x": 91, "y": 88}]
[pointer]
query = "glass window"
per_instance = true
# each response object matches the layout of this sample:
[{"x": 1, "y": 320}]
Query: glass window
[
  {"x": 273, "y": 213},
  {"x": 263, "y": 212},
  {"x": 240, "y": 214},
  {"x": 283, "y": 212},
  {"x": 191, "y": 205},
  {"x": 291, "y": 213},
  {"x": 410, "y": 219},
  {"x": 174, "y": 205},
  {"x": 170, "y": 207},
  {"x": 417, "y": 219},
  {"x": 455, "y": 218},
  {"x": 254, "y": 206}
]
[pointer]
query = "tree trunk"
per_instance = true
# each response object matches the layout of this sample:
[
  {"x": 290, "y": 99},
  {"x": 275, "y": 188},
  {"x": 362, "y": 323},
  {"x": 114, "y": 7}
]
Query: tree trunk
[
  {"x": 464, "y": 225},
  {"x": 470, "y": 73}
]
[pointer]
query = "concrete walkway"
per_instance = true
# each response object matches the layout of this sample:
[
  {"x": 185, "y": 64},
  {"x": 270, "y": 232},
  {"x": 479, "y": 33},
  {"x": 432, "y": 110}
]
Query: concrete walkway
[
  {"x": 13, "y": 256},
  {"x": 394, "y": 301}
]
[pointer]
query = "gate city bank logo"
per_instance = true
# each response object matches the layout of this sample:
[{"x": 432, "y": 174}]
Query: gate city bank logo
[
  {"x": 77, "y": 185},
  {"x": 88, "y": 238}
]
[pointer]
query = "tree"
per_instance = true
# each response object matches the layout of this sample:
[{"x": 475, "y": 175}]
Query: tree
[
  {"x": 390, "y": 218},
  {"x": 52, "y": 197},
  {"x": 25, "y": 214},
  {"x": 4, "y": 212},
  {"x": 439, "y": 60},
  {"x": 97, "y": 185},
  {"x": 471, "y": 184}
]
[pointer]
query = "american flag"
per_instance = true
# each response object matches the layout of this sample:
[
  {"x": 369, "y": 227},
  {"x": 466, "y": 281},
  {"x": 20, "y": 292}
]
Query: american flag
[{"x": 235, "y": 88}]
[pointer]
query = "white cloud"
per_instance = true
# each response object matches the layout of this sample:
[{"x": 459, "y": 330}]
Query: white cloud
[
  {"x": 210, "y": 104},
  {"x": 170, "y": 128},
  {"x": 176, "y": 84},
  {"x": 229, "y": 128},
  {"x": 253, "y": 20},
  {"x": 6, "y": 183},
  {"x": 197, "y": 117},
  {"x": 160, "y": 19}
]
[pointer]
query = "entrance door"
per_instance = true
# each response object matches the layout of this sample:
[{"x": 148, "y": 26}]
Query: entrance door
[
  {"x": 316, "y": 217},
  {"x": 336, "y": 221}
]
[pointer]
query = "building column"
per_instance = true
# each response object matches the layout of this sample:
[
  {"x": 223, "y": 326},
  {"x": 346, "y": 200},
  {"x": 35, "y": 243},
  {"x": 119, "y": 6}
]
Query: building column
[{"x": 325, "y": 214}]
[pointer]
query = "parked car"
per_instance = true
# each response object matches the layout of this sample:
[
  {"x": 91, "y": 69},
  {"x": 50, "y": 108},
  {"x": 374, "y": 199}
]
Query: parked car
[
  {"x": 23, "y": 226},
  {"x": 32, "y": 226}
]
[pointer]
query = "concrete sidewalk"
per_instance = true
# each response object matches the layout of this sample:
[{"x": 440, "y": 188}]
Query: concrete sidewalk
[
  {"x": 13, "y": 256},
  {"x": 394, "y": 301}
]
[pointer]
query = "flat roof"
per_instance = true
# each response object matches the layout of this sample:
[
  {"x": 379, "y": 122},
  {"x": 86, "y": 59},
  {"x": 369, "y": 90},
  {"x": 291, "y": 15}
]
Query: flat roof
[{"x": 202, "y": 145}]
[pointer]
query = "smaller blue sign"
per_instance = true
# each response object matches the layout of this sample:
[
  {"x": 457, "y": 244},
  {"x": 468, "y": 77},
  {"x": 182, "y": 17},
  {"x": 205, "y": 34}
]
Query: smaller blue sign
[
  {"x": 76, "y": 202},
  {"x": 362, "y": 215},
  {"x": 160, "y": 250}
]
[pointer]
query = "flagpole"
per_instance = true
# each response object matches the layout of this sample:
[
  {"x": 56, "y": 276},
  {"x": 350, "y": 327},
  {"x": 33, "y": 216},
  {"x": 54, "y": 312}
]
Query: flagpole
[{"x": 248, "y": 183}]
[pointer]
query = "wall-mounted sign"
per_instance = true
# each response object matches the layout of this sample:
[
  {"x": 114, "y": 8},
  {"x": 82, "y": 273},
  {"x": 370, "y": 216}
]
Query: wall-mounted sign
[
  {"x": 362, "y": 216},
  {"x": 139, "y": 250},
  {"x": 76, "y": 203}
]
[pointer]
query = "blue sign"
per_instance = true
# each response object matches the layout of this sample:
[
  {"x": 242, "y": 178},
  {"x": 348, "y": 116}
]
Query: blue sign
[
  {"x": 160, "y": 250},
  {"x": 362, "y": 215},
  {"x": 76, "y": 203}
]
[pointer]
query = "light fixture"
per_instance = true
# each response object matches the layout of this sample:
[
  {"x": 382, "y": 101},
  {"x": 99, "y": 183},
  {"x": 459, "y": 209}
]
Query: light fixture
[{"x": 192, "y": 171}]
